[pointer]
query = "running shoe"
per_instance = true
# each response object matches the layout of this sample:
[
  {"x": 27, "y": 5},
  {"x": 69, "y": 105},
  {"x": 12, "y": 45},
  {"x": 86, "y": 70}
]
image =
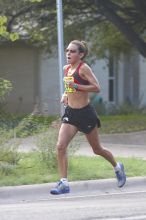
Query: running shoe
[
  {"x": 60, "y": 188},
  {"x": 121, "y": 176}
]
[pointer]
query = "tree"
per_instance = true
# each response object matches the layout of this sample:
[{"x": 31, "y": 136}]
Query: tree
[
  {"x": 124, "y": 22},
  {"x": 115, "y": 24},
  {"x": 131, "y": 21},
  {"x": 5, "y": 87}
]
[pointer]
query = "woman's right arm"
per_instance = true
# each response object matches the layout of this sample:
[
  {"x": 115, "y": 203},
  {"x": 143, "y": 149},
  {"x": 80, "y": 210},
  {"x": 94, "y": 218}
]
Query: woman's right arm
[{"x": 64, "y": 99}]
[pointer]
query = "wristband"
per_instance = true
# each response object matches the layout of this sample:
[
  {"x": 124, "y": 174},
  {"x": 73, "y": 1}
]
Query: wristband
[{"x": 75, "y": 86}]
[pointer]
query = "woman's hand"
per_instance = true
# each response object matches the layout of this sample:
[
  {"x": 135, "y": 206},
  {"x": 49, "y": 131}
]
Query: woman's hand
[
  {"x": 72, "y": 85},
  {"x": 64, "y": 99}
]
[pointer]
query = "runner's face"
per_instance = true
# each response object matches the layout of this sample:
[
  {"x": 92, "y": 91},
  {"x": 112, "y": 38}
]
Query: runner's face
[{"x": 72, "y": 54}]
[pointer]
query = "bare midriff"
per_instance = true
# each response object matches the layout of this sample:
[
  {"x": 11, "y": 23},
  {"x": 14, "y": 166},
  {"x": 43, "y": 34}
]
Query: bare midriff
[{"x": 78, "y": 99}]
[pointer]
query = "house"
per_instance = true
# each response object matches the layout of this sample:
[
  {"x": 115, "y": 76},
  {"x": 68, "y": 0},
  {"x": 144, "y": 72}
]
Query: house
[
  {"x": 126, "y": 80},
  {"x": 35, "y": 79}
]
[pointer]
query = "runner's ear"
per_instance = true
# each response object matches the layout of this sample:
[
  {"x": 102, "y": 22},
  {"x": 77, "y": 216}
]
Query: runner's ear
[{"x": 81, "y": 56}]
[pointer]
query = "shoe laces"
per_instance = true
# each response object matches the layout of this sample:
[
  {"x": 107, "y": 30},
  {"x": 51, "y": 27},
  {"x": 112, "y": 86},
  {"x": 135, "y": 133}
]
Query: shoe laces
[{"x": 60, "y": 184}]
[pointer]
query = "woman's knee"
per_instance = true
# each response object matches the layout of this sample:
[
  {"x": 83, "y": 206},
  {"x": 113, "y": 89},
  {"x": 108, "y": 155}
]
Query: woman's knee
[
  {"x": 61, "y": 147},
  {"x": 98, "y": 150}
]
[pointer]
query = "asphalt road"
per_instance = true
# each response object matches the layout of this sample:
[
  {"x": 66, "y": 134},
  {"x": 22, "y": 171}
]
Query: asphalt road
[
  {"x": 88, "y": 200},
  {"x": 125, "y": 206}
]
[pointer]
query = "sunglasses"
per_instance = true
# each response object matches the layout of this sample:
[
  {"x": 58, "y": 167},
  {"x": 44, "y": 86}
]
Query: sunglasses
[{"x": 71, "y": 51}]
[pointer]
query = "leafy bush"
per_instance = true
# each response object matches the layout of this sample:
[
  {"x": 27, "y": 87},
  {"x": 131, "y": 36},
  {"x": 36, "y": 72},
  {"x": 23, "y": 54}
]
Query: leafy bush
[
  {"x": 33, "y": 124},
  {"x": 9, "y": 156},
  {"x": 5, "y": 87},
  {"x": 46, "y": 146},
  {"x": 7, "y": 120}
]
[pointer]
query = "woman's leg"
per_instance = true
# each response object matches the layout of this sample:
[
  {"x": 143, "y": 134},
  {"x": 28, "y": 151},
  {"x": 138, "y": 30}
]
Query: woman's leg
[
  {"x": 93, "y": 139},
  {"x": 66, "y": 133}
]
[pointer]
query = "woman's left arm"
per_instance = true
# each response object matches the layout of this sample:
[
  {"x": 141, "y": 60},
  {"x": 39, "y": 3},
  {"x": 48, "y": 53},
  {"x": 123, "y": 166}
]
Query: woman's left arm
[{"x": 87, "y": 73}]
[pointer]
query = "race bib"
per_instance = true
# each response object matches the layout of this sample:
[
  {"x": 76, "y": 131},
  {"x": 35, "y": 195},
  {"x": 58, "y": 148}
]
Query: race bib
[{"x": 66, "y": 80}]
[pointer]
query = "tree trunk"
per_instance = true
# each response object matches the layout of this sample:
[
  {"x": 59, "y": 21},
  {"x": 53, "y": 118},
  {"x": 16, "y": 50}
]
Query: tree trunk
[{"x": 129, "y": 33}]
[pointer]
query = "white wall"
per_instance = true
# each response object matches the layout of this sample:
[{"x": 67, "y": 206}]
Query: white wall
[
  {"x": 128, "y": 78},
  {"x": 100, "y": 70},
  {"x": 142, "y": 83},
  {"x": 49, "y": 85}
]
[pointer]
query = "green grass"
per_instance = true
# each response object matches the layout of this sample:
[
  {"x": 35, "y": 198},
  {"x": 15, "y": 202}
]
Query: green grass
[
  {"x": 82, "y": 168},
  {"x": 123, "y": 123},
  {"x": 31, "y": 170}
]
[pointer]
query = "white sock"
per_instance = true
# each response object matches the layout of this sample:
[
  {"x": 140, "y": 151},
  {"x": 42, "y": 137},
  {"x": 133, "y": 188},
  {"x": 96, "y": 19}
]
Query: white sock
[
  {"x": 117, "y": 167},
  {"x": 65, "y": 181}
]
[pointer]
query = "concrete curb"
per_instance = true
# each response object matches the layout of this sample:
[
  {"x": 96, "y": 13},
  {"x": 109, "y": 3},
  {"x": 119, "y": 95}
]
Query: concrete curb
[
  {"x": 35, "y": 192},
  {"x": 106, "y": 184}
]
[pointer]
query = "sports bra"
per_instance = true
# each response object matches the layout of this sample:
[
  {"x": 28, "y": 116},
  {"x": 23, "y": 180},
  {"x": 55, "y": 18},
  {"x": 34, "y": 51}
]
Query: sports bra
[{"x": 77, "y": 78}]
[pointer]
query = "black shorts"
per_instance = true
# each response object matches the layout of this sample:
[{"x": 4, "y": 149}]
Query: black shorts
[{"x": 85, "y": 119}]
